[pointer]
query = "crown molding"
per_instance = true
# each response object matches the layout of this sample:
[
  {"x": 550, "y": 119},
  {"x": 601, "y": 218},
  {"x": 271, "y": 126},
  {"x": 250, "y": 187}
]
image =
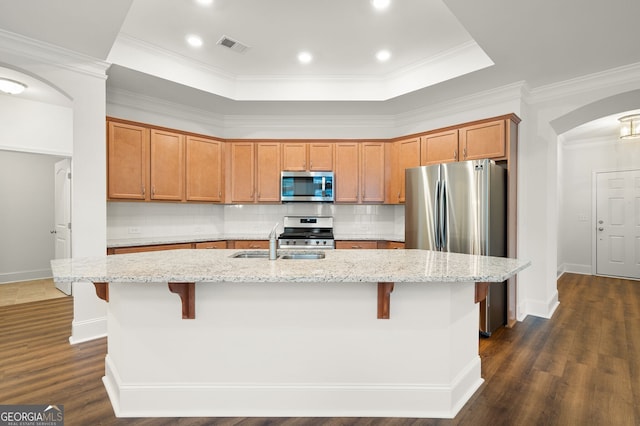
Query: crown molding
[
  {"x": 144, "y": 103},
  {"x": 600, "y": 80},
  {"x": 59, "y": 57},
  {"x": 510, "y": 93}
]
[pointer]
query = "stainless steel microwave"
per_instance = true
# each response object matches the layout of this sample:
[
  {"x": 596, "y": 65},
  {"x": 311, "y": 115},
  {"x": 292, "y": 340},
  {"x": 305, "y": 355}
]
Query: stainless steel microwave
[{"x": 306, "y": 186}]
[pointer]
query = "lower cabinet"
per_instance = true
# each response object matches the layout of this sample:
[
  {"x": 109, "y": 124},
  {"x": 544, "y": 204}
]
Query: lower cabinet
[
  {"x": 356, "y": 244},
  {"x": 390, "y": 245},
  {"x": 140, "y": 249},
  {"x": 248, "y": 244},
  {"x": 211, "y": 245}
]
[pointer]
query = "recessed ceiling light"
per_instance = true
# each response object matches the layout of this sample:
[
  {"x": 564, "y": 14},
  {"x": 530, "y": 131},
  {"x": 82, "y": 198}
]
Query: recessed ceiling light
[
  {"x": 380, "y": 4},
  {"x": 305, "y": 57},
  {"x": 194, "y": 40},
  {"x": 383, "y": 55},
  {"x": 205, "y": 2},
  {"x": 11, "y": 87}
]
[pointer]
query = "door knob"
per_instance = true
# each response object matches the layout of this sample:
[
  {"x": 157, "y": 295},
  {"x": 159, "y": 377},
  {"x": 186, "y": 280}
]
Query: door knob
[{"x": 601, "y": 229}]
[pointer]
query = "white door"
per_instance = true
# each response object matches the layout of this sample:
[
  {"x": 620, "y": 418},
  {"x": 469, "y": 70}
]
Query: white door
[
  {"x": 62, "y": 215},
  {"x": 618, "y": 223}
]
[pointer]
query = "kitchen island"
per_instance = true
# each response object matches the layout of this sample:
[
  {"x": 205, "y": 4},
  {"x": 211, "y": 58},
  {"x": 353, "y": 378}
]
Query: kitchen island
[{"x": 389, "y": 333}]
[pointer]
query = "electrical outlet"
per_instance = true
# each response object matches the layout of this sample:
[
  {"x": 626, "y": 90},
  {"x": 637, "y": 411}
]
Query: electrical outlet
[{"x": 134, "y": 230}]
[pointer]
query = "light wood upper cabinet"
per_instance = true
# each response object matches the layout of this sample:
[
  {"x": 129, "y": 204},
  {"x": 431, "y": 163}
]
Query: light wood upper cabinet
[
  {"x": 242, "y": 172},
  {"x": 320, "y": 156},
  {"x": 204, "y": 169},
  {"x": 127, "y": 161},
  {"x": 312, "y": 156},
  {"x": 167, "y": 165},
  {"x": 294, "y": 156},
  {"x": 484, "y": 140},
  {"x": 439, "y": 147},
  {"x": 254, "y": 172},
  {"x": 359, "y": 172},
  {"x": 347, "y": 172},
  {"x": 268, "y": 172},
  {"x": 408, "y": 155},
  {"x": 372, "y": 172}
]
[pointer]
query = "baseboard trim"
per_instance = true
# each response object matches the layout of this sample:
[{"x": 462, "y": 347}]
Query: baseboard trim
[
  {"x": 290, "y": 399},
  {"x": 36, "y": 274},
  {"x": 84, "y": 331}
]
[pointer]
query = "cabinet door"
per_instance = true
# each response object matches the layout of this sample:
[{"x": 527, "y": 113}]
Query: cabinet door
[
  {"x": 268, "y": 172},
  {"x": 439, "y": 148},
  {"x": 294, "y": 156},
  {"x": 408, "y": 156},
  {"x": 167, "y": 165},
  {"x": 242, "y": 172},
  {"x": 204, "y": 169},
  {"x": 321, "y": 156},
  {"x": 372, "y": 172},
  {"x": 347, "y": 175},
  {"x": 127, "y": 161},
  {"x": 485, "y": 140}
]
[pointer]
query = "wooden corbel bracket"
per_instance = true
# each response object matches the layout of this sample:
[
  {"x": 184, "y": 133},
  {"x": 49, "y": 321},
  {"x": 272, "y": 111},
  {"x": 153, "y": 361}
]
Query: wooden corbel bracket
[
  {"x": 384, "y": 299},
  {"x": 187, "y": 293},
  {"x": 102, "y": 291}
]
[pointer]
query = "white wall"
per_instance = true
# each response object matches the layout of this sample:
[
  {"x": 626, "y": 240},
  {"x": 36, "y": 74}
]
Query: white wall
[
  {"x": 580, "y": 160},
  {"x": 31, "y": 126},
  {"x": 26, "y": 217}
]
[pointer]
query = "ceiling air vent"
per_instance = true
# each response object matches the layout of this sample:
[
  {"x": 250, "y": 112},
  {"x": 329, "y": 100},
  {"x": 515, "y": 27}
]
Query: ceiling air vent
[{"x": 232, "y": 44}]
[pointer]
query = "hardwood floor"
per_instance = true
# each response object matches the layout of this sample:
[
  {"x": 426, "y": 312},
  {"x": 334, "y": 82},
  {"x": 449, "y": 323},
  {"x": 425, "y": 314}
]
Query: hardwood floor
[{"x": 582, "y": 367}]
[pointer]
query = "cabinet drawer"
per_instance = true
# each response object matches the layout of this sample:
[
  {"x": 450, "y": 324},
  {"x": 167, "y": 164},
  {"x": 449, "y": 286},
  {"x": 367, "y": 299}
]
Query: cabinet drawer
[
  {"x": 140, "y": 249},
  {"x": 211, "y": 245},
  {"x": 250, "y": 244},
  {"x": 346, "y": 244}
]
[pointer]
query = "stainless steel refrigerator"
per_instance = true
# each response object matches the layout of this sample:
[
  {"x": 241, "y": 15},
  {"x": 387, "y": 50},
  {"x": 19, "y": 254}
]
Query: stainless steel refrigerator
[{"x": 461, "y": 208}]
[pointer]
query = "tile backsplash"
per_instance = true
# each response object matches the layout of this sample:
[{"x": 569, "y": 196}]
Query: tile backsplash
[{"x": 145, "y": 220}]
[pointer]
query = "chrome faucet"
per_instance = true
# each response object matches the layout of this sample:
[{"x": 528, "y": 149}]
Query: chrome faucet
[{"x": 273, "y": 241}]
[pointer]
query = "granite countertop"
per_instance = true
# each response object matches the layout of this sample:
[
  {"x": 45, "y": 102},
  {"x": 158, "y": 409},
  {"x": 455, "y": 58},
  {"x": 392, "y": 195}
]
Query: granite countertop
[{"x": 338, "y": 266}]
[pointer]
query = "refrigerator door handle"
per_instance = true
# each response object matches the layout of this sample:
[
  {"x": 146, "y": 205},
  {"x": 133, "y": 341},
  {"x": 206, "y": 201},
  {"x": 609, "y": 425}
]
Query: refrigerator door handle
[
  {"x": 444, "y": 231},
  {"x": 436, "y": 215}
]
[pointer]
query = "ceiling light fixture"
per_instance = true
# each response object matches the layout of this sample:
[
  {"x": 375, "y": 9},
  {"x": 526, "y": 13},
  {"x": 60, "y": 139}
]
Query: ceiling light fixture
[
  {"x": 383, "y": 55},
  {"x": 194, "y": 40},
  {"x": 305, "y": 57},
  {"x": 11, "y": 87},
  {"x": 380, "y": 4},
  {"x": 630, "y": 126},
  {"x": 205, "y": 2}
]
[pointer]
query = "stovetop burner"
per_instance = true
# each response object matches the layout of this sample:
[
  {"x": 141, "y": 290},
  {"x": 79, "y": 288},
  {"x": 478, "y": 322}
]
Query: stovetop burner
[{"x": 307, "y": 232}]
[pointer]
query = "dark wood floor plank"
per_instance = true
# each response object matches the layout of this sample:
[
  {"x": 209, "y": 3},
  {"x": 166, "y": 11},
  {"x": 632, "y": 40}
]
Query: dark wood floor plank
[{"x": 581, "y": 367}]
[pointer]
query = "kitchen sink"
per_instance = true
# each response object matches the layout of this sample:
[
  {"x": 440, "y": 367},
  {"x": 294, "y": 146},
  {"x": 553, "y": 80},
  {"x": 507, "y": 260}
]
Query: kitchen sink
[
  {"x": 264, "y": 254},
  {"x": 251, "y": 254},
  {"x": 303, "y": 255}
]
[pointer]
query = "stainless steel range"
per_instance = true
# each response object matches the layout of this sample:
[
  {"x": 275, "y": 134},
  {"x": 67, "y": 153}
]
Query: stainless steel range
[{"x": 307, "y": 232}]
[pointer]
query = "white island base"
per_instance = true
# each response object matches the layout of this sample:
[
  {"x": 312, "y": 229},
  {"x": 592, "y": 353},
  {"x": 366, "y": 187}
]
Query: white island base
[{"x": 292, "y": 350}]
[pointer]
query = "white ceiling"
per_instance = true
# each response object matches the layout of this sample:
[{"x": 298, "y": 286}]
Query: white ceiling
[{"x": 438, "y": 48}]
